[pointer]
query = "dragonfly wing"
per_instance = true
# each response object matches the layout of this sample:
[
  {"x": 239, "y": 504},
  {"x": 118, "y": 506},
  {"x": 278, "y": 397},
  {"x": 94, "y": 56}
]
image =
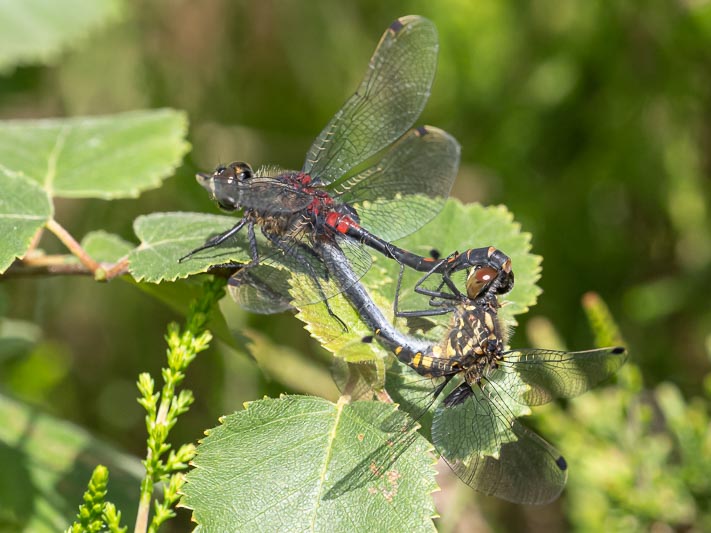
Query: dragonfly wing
[
  {"x": 529, "y": 471},
  {"x": 407, "y": 187},
  {"x": 261, "y": 289},
  {"x": 386, "y": 104},
  {"x": 291, "y": 274},
  {"x": 493, "y": 453},
  {"x": 551, "y": 374}
]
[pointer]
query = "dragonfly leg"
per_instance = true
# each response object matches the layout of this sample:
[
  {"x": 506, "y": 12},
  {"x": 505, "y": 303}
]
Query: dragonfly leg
[
  {"x": 216, "y": 240},
  {"x": 253, "y": 253},
  {"x": 442, "y": 307}
]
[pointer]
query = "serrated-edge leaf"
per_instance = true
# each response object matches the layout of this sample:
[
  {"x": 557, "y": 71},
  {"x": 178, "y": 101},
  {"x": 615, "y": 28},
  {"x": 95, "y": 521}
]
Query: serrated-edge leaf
[
  {"x": 166, "y": 237},
  {"x": 272, "y": 466},
  {"x": 24, "y": 209},
  {"x": 459, "y": 227},
  {"x": 107, "y": 157},
  {"x": 325, "y": 328}
]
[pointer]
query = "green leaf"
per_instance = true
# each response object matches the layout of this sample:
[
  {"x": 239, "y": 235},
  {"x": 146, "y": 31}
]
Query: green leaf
[
  {"x": 301, "y": 463},
  {"x": 36, "y": 31},
  {"x": 46, "y": 465},
  {"x": 105, "y": 247},
  {"x": 166, "y": 237},
  {"x": 329, "y": 332},
  {"x": 24, "y": 209},
  {"x": 112, "y": 156}
]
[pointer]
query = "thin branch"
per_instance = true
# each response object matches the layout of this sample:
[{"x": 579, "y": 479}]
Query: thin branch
[
  {"x": 73, "y": 246},
  {"x": 38, "y": 259},
  {"x": 117, "y": 269},
  {"x": 35, "y": 241},
  {"x": 36, "y": 264},
  {"x": 62, "y": 265},
  {"x": 20, "y": 269}
]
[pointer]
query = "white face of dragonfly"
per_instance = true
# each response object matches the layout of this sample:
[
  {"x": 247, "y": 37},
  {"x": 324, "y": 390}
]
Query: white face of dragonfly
[{"x": 225, "y": 184}]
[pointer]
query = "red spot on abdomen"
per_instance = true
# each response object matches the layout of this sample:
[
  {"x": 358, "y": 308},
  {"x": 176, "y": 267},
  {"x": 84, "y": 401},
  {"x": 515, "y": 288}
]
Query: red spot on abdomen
[{"x": 340, "y": 223}]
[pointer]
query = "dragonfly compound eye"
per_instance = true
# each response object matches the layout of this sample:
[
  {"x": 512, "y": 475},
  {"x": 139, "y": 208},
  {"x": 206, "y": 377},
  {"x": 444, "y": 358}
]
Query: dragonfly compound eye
[
  {"x": 241, "y": 171},
  {"x": 478, "y": 279},
  {"x": 506, "y": 284}
]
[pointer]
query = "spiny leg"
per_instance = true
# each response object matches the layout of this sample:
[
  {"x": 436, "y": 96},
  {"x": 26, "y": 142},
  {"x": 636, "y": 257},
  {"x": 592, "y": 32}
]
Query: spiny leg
[{"x": 217, "y": 240}]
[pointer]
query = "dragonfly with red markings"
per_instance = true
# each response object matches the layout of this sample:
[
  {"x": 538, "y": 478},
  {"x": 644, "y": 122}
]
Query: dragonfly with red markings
[{"x": 369, "y": 178}]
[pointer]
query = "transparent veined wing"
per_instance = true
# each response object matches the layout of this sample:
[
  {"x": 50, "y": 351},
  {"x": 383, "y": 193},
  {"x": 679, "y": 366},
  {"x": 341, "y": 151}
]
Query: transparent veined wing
[
  {"x": 386, "y": 104},
  {"x": 551, "y": 374},
  {"x": 483, "y": 443},
  {"x": 405, "y": 189}
]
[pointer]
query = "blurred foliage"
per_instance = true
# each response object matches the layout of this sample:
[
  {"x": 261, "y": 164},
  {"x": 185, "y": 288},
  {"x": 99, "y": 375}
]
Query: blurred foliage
[{"x": 589, "y": 120}]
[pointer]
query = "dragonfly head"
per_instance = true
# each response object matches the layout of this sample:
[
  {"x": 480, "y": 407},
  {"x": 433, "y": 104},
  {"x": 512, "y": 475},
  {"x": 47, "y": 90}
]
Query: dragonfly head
[
  {"x": 225, "y": 183},
  {"x": 486, "y": 279}
]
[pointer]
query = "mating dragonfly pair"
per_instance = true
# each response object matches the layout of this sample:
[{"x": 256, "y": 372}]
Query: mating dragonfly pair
[{"x": 314, "y": 223}]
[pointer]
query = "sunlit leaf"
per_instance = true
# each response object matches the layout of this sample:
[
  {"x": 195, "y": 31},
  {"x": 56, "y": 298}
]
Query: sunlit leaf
[
  {"x": 112, "y": 156},
  {"x": 24, "y": 209},
  {"x": 345, "y": 342},
  {"x": 166, "y": 237},
  {"x": 306, "y": 464},
  {"x": 105, "y": 247},
  {"x": 37, "y": 31},
  {"x": 460, "y": 227}
]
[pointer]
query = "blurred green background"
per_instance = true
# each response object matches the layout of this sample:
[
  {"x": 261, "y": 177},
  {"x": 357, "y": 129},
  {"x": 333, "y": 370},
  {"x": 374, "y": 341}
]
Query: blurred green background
[{"x": 591, "y": 121}]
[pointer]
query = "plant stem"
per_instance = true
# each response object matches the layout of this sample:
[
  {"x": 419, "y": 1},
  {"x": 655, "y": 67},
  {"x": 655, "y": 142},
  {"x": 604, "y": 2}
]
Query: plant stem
[
  {"x": 27, "y": 268},
  {"x": 144, "y": 506},
  {"x": 163, "y": 409},
  {"x": 73, "y": 246},
  {"x": 118, "y": 269}
]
